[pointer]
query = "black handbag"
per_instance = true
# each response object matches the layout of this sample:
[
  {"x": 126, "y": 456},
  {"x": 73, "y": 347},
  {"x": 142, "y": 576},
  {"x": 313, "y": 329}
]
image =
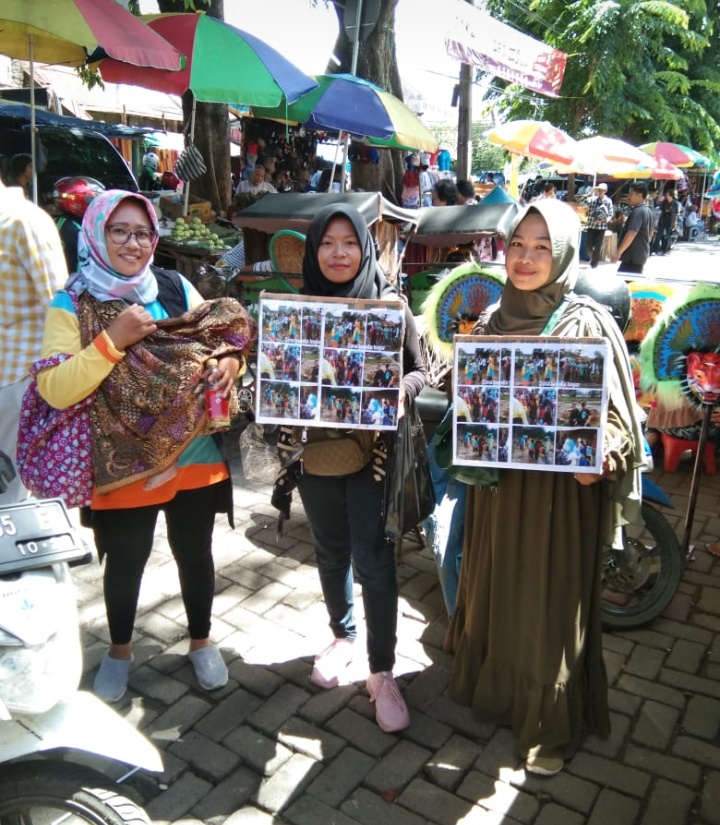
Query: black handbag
[{"x": 409, "y": 490}]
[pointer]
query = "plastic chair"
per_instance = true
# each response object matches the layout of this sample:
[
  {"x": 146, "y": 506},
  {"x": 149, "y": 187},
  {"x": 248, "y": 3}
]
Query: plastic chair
[{"x": 673, "y": 448}]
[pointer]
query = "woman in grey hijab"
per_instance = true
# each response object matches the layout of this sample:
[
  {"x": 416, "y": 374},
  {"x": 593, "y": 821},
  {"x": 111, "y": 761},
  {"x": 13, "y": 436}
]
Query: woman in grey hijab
[{"x": 526, "y": 632}]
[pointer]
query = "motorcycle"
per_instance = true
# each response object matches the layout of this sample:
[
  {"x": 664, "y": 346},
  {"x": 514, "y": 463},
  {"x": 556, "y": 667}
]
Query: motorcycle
[
  {"x": 640, "y": 578},
  {"x": 47, "y": 725}
]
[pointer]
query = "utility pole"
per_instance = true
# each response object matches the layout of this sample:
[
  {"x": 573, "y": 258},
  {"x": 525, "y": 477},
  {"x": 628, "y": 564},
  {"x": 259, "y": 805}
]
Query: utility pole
[{"x": 464, "y": 142}]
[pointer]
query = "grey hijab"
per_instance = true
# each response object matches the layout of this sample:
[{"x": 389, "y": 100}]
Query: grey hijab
[{"x": 527, "y": 312}]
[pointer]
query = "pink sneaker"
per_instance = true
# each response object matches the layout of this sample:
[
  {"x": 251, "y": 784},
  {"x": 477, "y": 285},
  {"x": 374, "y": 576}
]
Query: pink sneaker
[
  {"x": 391, "y": 712},
  {"x": 330, "y": 665}
]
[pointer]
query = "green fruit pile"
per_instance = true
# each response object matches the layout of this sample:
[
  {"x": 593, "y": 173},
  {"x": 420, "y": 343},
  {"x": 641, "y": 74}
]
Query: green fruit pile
[{"x": 195, "y": 231}]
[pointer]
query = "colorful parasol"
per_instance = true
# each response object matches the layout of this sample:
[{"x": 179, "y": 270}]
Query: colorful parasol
[
  {"x": 676, "y": 153},
  {"x": 350, "y": 104},
  {"x": 534, "y": 139},
  {"x": 456, "y": 302},
  {"x": 224, "y": 64},
  {"x": 70, "y": 32}
]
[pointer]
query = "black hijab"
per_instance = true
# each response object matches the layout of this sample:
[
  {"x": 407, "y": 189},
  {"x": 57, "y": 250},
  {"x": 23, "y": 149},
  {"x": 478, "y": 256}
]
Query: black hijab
[{"x": 370, "y": 282}]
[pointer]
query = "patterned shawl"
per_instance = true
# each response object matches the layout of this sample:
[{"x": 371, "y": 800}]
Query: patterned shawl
[{"x": 150, "y": 407}]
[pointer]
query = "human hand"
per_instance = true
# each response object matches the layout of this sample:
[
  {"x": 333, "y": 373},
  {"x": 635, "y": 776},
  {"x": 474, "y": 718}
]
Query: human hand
[
  {"x": 130, "y": 326},
  {"x": 613, "y": 259},
  {"x": 225, "y": 375},
  {"x": 586, "y": 479}
]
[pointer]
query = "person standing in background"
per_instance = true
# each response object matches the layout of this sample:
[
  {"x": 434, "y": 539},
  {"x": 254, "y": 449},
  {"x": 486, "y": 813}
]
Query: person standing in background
[
  {"x": 32, "y": 269},
  {"x": 21, "y": 172},
  {"x": 72, "y": 196},
  {"x": 634, "y": 240},
  {"x": 600, "y": 210},
  {"x": 466, "y": 193},
  {"x": 148, "y": 181}
]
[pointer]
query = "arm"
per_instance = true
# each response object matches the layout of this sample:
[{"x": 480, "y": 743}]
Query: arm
[
  {"x": 413, "y": 365},
  {"x": 75, "y": 379}
]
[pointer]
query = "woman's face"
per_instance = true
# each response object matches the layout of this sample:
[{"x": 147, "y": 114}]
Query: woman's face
[
  {"x": 339, "y": 254},
  {"x": 128, "y": 258},
  {"x": 528, "y": 259}
]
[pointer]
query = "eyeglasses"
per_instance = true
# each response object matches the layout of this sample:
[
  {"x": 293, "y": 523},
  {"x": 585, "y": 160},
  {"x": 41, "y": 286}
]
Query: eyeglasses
[{"x": 120, "y": 235}]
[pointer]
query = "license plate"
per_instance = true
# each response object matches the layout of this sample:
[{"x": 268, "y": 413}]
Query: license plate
[{"x": 34, "y": 532}]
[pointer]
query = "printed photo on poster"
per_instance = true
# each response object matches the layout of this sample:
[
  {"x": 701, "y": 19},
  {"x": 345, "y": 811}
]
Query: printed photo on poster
[
  {"x": 530, "y": 403},
  {"x": 329, "y": 362}
]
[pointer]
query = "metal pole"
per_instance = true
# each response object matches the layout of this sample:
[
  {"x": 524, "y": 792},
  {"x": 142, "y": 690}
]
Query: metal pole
[
  {"x": 186, "y": 189},
  {"x": 353, "y": 71},
  {"x": 695, "y": 484},
  {"x": 464, "y": 161},
  {"x": 33, "y": 125}
]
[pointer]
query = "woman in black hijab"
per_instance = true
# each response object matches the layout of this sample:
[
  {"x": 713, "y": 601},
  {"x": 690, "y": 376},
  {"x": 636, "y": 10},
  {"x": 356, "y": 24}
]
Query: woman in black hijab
[{"x": 346, "y": 512}]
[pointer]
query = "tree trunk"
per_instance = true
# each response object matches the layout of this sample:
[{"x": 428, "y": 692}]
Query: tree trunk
[
  {"x": 212, "y": 130},
  {"x": 377, "y": 62}
]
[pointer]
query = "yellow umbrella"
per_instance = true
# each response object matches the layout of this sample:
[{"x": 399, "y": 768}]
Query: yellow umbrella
[{"x": 537, "y": 139}]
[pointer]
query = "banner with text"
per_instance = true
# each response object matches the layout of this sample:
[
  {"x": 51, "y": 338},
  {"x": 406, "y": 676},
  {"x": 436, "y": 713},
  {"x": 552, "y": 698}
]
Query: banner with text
[{"x": 474, "y": 37}]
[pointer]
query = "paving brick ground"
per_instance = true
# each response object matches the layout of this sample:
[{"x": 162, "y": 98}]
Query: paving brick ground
[{"x": 271, "y": 748}]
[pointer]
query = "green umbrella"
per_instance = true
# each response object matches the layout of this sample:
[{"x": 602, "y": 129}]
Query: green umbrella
[{"x": 224, "y": 64}]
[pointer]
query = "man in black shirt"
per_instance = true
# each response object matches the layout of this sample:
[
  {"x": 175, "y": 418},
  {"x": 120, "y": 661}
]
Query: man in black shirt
[{"x": 634, "y": 242}]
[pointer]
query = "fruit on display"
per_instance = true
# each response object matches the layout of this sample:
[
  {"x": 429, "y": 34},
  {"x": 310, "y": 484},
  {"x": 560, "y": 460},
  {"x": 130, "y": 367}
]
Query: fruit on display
[{"x": 194, "y": 232}]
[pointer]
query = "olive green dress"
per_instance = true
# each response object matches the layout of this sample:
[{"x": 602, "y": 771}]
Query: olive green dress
[{"x": 526, "y": 632}]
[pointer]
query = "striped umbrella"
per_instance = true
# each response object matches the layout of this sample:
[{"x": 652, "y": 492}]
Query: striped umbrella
[
  {"x": 70, "y": 32},
  {"x": 676, "y": 153},
  {"x": 534, "y": 139}
]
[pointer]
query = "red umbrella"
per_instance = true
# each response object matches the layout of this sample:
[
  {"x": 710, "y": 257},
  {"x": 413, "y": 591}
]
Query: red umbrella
[{"x": 70, "y": 32}]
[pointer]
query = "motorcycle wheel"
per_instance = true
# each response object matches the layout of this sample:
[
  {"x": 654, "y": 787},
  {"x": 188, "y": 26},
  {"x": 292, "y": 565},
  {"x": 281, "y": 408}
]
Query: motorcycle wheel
[
  {"x": 47, "y": 792},
  {"x": 640, "y": 581}
]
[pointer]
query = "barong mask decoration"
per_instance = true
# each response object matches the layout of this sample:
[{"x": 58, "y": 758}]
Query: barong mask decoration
[
  {"x": 456, "y": 301},
  {"x": 680, "y": 355}
]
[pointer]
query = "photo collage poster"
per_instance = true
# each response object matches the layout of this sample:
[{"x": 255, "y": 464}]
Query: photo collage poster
[
  {"x": 530, "y": 403},
  {"x": 329, "y": 362}
]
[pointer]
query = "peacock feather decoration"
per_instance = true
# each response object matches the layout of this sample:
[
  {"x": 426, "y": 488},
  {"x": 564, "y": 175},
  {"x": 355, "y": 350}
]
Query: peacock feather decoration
[
  {"x": 456, "y": 301},
  {"x": 680, "y": 356}
]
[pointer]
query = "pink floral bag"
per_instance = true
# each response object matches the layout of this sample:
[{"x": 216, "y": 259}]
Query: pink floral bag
[{"x": 54, "y": 449}]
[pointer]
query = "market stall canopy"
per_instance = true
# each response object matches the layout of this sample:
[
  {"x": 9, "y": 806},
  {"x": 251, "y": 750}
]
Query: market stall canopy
[
  {"x": 450, "y": 225},
  {"x": 295, "y": 210},
  {"x": 346, "y": 103}
]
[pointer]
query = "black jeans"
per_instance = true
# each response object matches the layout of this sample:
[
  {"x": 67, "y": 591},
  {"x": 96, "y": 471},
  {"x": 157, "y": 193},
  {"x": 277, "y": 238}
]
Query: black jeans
[
  {"x": 594, "y": 239},
  {"x": 627, "y": 267},
  {"x": 125, "y": 538},
  {"x": 345, "y": 516}
]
